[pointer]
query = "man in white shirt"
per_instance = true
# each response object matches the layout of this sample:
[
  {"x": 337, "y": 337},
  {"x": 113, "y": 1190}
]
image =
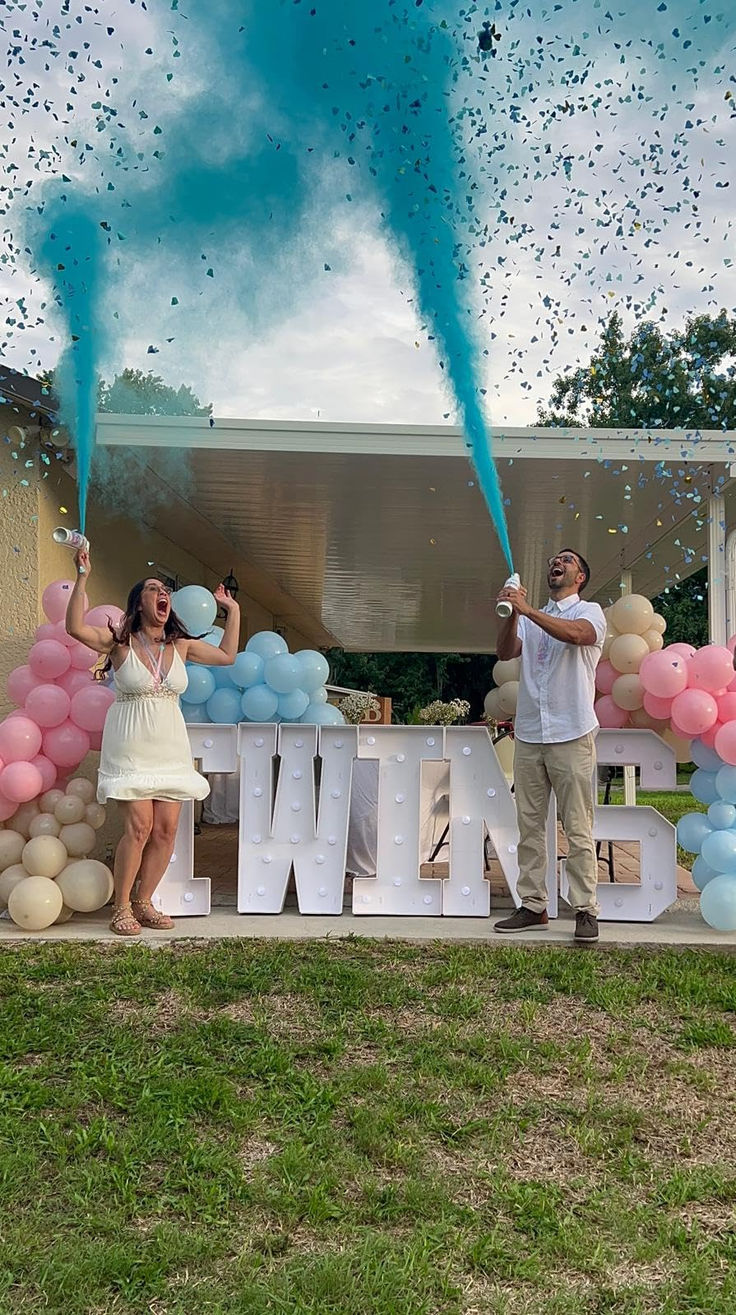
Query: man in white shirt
[{"x": 554, "y": 737}]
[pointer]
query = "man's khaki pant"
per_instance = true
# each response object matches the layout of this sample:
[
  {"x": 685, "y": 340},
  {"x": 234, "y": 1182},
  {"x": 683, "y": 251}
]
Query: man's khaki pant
[{"x": 568, "y": 770}]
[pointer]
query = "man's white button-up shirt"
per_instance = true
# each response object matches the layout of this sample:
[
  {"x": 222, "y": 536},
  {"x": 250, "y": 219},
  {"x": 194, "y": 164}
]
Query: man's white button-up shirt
[{"x": 557, "y": 685}]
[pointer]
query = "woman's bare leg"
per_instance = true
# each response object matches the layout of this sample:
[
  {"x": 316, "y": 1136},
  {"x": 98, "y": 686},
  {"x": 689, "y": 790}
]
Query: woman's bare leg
[
  {"x": 137, "y": 822},
  {"x": 159, "y": 848}
]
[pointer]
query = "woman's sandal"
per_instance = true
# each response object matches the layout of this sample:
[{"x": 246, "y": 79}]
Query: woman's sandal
[
  {"x": 124, "y": 922},
  {"x": 150, "y": 917}
]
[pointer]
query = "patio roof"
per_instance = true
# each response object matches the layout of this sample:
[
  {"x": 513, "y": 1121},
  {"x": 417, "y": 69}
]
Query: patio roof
[{"x": 381, "y": 536}]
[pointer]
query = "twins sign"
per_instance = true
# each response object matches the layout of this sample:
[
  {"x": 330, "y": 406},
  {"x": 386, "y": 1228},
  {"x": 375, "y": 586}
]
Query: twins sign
[{"x": 295, "y": 791}]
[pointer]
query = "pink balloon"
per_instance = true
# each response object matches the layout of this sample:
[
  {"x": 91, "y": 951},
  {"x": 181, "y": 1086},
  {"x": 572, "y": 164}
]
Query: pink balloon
[
  {"x": 694, "y": 711},
  {"x": 658, "y": 708},
  {"x": 82, "y": 657},
  {"x": 20, "y": 739},
  {"x": 46, "y": 631},
  {"x": 609, "y": 715},
  {"x": 95, "y": 741},
  {"x": 47, "y": 770},
  {"x": 605, "y": 676},
  {"x": 61, "y": 633},
  {"x": 55, "y": 599},
  {"x": 664, "y": 674},
  {"x": 725, "y": 744},
  {"x": 711, "y": 668},
  {"x": 7, "y": 808},
  {"x": 72, "y": 680},
  {"x": 709, "y": 737},
  {"x": 66, "y": 745},
  {"x": 47, "y": 705},
  {"x": 48, "y": 659},
  {"x": 99, "y": 616},
  {"x": 727, "y": 707},
  {"x": 89, "y": 707},
  {"x": 20, "y": 782},
  {"x": 20, "y": 682},
  {"x": 681, "y": 650}
]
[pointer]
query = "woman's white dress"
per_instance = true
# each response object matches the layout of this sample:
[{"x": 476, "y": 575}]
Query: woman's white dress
[{"x": 145, "y": 747}]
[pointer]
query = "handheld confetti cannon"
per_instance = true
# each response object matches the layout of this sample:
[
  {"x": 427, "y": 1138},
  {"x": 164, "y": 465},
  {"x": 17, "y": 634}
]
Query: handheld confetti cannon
[
  {"x": 503, "y": 607},
  {"x": 73, "y": 539}
]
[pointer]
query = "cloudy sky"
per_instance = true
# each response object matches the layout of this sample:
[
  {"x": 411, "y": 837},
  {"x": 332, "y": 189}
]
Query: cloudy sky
[{"x": 624, "y": 205}]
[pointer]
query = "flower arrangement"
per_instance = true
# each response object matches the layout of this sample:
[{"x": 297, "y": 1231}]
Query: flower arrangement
[
  {"x": 355, "y": 707},
  {"x": 444, "y": 714}
]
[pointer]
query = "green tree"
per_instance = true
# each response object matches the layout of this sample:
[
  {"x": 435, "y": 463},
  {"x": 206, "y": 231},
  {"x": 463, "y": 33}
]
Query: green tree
[
  {"x": 134, "y": 392},
  {"x": 684, "y": 608},
  {"x": 412, "y": 680},
  {"x": 654, "y": 379}
]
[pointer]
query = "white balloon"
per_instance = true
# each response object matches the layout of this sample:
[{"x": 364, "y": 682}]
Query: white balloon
[
  {"x": 44, "y": 856},
  {"x": 11, "y": 848},
  {"x": 509, "y": 669},
  {"x": 83, "y": 789},
  {"x": 35, "y": 903},
  {"x": 9, "y": 880},
  {"x": 85, "y": 885},
  {"x": 507, "y": 697}
]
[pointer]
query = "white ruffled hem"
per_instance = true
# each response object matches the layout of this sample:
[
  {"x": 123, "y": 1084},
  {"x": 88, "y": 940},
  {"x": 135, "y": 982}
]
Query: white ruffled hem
[{"x": 134, "y": 785}]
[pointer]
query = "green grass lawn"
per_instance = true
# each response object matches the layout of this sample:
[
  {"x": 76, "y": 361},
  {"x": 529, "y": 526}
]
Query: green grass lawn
[{"x": 357, "y": 1128}]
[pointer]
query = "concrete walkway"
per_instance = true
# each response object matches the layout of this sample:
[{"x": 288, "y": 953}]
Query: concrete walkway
[{"x": 682, "y": 925}]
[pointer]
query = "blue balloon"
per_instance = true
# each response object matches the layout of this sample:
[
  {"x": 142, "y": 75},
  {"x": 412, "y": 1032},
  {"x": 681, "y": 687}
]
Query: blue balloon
[
  {"x": 195, "y": 713},
  {"x": 718, "y": 903},
  {"x": 283, "y": 673},
  {"x": 266, "y": 644},
  {"x": 247, "y": 669},
  {"x": 221, "y": 677},
  {"x": 322, "y": 714},
  {"x": 704, "y": 757},
  {"x": 196, "y": 607},
  {"x": 214, "y": 636},
  {"x": 224, "y": 706},
  {"x": 703, "y": 786},
  {"x": 319, "y": 695},
  {"x": 259, "y": 703},
  {"x": 692, "y": 829},
  {"x": 719, "y": 851},
  {"x": 702, "y": 872},
  {"x": 201, "y": 684},
  {"x": 726, "y": 783},
  {"x": 315, "y": 669},
  {"x": 292, "y": 705},
  {"x": 721, "y": 815}
]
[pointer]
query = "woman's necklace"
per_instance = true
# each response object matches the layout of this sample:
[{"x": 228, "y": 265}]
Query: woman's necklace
[{"x": 155, "y": 663}]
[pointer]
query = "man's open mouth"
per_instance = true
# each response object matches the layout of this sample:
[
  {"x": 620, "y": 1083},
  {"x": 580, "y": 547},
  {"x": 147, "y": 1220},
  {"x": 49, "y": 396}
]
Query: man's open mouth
[{"x": 556, "y": 572}]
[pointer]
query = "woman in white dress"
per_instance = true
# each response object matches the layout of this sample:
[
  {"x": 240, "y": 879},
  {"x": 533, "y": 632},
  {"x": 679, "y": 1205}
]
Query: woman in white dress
[{"x": 146, "y": 761}]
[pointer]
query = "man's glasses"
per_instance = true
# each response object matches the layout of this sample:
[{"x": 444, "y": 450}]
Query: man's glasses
[{"x": 565, "y": 559}]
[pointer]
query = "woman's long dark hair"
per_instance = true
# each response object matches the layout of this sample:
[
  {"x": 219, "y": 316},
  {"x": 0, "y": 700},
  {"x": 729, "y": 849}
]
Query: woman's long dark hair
[{"x": 131, "y": 624}]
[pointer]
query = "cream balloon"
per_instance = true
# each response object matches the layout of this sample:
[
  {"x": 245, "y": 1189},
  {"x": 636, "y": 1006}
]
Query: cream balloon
[
  {"x": 23, "y": 816},
  {"x": 44, "y": 856},
  {"x": 69, "y": 809},
  {"x": 85, "y": 885},
  {"x": 628, "y": 692},
  {"x": 83, "y": 789},
  {"x": 491, "y": 706},
  {"x": 94, "y": 815},
  {"x": 627, "y": 653},
  {"x": 78, "y": 839},
  {"x": 632, "y": 614},
  {"x": 655, "y": 639},
  {"x": 35, "y": 903},
  {"x": 644, "y": 721},
  {"x": 503, "y": 671},
  {"x": 11, "y": 848},
  {"x": 611, "y": 634},
  {"x": 64, "y": 916},
  {"x": 658, "y": 623},
  {"x": 9, "y": 880},
  {"x": 50, "y": 799},
  {"x": 507, "y": 697},
  {"x": 44, "y": 825},
  {"x": 682, "y": 748}
]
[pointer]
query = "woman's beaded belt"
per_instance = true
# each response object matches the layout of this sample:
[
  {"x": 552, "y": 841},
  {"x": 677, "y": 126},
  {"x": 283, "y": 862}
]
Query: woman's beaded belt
[{"x": 163, "y": 692}]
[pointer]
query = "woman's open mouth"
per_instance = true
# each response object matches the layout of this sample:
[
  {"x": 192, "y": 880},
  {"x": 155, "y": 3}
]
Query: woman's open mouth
[{"x": 162, "y": 609}]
